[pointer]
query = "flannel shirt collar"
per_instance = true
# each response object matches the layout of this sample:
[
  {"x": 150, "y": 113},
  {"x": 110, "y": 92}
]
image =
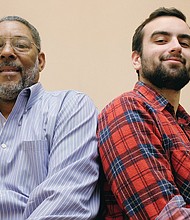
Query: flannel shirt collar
[
  {"x": 151, "y": 95},
  {"x": 160, "y": 102}
]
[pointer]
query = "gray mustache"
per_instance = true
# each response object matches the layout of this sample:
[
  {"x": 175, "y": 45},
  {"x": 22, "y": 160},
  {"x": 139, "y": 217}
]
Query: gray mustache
[{"x": 12, "y": 64}]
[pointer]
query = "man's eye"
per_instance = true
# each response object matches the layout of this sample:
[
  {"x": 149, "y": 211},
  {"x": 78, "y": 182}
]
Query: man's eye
[
  {"x": 1, "y": 43},
  {"x": 184, "y": 44},
  {"x": 21, "y": 45},
  {"x": 160, "y": 41}
]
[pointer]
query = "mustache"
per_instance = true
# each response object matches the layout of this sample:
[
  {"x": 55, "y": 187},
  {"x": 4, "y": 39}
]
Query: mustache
[
  {"x": 12, "y": 64},
  {"x": 179, "y": 57}
]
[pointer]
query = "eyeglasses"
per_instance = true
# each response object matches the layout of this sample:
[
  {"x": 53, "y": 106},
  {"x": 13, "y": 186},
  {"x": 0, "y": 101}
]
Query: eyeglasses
[{"x": 19, "y": 44}]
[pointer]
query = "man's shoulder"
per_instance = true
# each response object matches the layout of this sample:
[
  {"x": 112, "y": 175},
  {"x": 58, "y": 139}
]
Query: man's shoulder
[
  {"x": 64, "y": 95},
  {"x": 123, "y": 100},
  {"x": 69, "y": 99}
]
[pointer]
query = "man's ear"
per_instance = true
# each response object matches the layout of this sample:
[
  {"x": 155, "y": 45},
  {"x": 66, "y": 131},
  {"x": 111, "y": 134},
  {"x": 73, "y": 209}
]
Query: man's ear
[
  {"x": 136, "y": 59},
  {"x": 41, "y": 59}
]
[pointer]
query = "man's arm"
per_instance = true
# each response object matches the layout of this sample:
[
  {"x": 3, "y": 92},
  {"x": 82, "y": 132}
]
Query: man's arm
[
  {"x": 135, "y": 162},
  {"x": 70, "y": 189}
]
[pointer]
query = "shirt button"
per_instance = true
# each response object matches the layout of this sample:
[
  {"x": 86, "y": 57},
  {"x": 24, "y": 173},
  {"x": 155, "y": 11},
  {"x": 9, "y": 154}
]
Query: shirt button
[{"x": 3, "y": 146}]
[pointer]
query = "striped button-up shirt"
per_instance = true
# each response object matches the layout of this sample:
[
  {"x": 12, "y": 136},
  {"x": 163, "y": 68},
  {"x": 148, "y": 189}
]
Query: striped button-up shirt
[
  {"x": 145, "y": 153},
  {"x": 48, "y": 157}
]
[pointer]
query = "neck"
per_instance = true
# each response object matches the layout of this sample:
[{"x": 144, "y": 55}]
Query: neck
[
  {"x": 6, "y": 107},
  {"x": 172, "y": 96}
]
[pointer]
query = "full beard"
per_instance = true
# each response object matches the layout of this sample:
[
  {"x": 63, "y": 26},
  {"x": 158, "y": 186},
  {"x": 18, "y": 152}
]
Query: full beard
[
  {"x": 10, "y": 90},
  {"x": 173, "y": 77}
]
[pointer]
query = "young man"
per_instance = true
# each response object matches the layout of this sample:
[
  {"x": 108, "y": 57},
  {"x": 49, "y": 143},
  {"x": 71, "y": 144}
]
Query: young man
[
  {"x": 144, "y": 135},
  {"x": 48, "y": 149}
]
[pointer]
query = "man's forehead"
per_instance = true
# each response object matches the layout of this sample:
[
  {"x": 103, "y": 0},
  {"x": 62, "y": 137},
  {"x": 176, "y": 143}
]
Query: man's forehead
[
  {"x": 168, "y": 24},
  {"x": 14, "y": 27}
]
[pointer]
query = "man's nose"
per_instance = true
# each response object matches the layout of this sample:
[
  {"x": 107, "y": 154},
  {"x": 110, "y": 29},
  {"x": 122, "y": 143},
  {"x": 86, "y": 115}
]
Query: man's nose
[
  {"x": 7, "y": 52},
  {"x": 175, "y": 47}
]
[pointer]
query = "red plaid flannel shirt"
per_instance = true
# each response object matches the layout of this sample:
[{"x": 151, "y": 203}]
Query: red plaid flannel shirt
[{"x": 145, "y": 154}]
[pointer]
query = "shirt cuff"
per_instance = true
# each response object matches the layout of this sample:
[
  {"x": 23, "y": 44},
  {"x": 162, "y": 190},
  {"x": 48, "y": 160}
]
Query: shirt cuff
[{"x": 175, "y": 209}]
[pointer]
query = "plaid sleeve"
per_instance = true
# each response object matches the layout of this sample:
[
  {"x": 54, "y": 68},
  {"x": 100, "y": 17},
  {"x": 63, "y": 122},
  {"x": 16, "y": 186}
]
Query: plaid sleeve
[{"x": 136, "y": 165}]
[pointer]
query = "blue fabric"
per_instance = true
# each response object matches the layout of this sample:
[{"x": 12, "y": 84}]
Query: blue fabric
[{"x": 48, "y": 157}]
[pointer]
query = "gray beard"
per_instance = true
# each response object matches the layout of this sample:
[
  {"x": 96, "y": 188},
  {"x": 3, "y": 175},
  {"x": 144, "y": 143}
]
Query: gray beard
[{"x": 10, "y": 91}]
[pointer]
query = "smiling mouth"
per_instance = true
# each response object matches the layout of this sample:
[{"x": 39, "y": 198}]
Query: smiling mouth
[
  {"x": 175, "y": 60},
  {"x": 9, "y": 70}
]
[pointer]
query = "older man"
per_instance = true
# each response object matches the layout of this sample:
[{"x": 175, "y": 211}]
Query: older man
[{"x": 48, "y": 149}]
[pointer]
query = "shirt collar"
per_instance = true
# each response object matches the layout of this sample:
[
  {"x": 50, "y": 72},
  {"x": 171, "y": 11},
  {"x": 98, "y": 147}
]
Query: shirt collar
[
  {"x": 33, "y": 94},
  {"x": 156, "y": 99},
  {"x": 160, "y": 102}
]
